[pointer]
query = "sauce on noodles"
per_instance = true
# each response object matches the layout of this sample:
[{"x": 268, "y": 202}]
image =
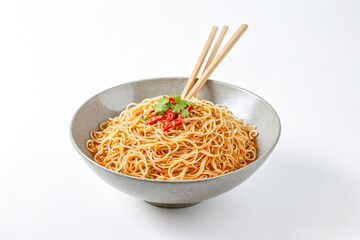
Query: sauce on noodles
[{"x": 208, "y": 142}]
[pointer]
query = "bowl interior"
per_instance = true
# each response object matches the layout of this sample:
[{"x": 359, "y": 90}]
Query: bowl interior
[{"x": 109, "y": 103}]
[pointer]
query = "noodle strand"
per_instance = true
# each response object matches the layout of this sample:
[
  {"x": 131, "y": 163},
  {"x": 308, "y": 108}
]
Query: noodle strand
[{"x": 210, "y": 143}]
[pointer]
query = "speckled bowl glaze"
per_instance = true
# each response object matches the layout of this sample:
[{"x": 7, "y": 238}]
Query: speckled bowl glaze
[{"x": 173, "y": 194}]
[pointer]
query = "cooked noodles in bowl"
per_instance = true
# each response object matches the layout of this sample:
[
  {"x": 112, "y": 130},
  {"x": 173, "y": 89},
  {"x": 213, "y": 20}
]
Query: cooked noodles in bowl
[{"x": 169, "y": 138}]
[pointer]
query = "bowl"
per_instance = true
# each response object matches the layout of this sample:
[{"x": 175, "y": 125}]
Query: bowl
[{"x": 175, "y": 193}]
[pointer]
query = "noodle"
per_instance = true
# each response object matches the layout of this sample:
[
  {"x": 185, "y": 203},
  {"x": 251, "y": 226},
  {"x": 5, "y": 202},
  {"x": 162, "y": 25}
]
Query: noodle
[{"x": 208, "y": 143}]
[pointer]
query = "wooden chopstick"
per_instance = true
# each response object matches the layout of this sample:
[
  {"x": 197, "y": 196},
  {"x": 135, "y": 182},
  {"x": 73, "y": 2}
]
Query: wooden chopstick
[
  {"x": 200, "y": 61},
  {"x": 213, "y": 65},
  {"x": 216, "y": 46},
  {"x": 215, "y": 49}
]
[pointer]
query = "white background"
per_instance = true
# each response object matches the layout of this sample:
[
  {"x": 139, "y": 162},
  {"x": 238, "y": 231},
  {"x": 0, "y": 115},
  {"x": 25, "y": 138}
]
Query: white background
[{"x": 301, "y": 56}]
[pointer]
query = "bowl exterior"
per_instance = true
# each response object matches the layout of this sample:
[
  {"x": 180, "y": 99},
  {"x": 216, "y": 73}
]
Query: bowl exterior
[
  {"x": 109, "y": 103},
  {"x": 177, "y": 193}
]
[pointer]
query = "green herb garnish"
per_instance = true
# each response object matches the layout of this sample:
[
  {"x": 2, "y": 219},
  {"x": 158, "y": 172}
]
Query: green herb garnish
[
  {"x": 144, "y": 117},
  {"x": 180, "y": 105},
  {"x": 184, "y": 112},
  {"x": 162, "y": 106},
  {"x": 177, "y": 98}
]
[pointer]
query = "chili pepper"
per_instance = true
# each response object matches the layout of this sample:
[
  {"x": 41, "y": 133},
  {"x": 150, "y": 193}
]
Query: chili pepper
[
  {"x": 170, "y": 116},
  {"x": 172, "y": 101},
  {"x": 155, "y": 119},
  {"x": 191, "y": 108},
  {"x": 152, "y": 113},
  {"x": 198, "y": 111},
  {"x": 168, "y": 126},
  {"x": 174, "y": 123},
  {"x": 178, "y": 120}
]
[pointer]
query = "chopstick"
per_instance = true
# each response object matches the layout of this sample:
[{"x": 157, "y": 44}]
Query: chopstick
[
  {"x": 213, "y": 65},
  {"x": 200, "y": 61},
  {"x": 216, "y": 46},
  {"x": 215, "y": 49}
]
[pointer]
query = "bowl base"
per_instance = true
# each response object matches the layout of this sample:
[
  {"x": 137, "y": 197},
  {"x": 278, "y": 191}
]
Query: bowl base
[{"x": 172, "y": 205}]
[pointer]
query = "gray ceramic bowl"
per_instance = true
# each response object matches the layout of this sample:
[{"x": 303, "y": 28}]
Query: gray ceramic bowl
[{"x": 109, "y": 103}]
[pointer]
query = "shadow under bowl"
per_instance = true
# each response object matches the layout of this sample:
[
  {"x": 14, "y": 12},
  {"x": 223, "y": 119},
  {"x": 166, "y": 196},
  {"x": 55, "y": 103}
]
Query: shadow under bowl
[{"x": 174, "y": 193}]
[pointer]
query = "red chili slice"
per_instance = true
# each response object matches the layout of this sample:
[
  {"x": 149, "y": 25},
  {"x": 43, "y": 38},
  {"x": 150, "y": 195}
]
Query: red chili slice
[
  {"x": 168, "y": 126},
  {"x": 172, "y": 101},
  {"x": 170, "y": 116},
  {"x": 155, "y": 119},
  {"x": 178, "y": 120},
  {"x": 174, "y": 123}
]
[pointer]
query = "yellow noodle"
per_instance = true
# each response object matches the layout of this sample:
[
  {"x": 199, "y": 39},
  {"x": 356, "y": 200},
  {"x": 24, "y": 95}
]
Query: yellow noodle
[{"x": 211, "y": 143}]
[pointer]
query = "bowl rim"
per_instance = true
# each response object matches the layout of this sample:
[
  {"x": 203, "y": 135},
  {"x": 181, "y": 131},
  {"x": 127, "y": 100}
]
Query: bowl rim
[{"x": 175, "y": 181}]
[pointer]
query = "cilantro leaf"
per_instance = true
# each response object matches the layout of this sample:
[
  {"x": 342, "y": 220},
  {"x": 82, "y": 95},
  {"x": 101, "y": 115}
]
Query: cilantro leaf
[
  {"x": 162, "y": 106},
  {"x": 160, "y": 109},
  {"x": 164, "y": 100},
  {"x": 184, "y": 112},
  {"x": 180, "y": 105},
  {"x": 177, "y": 98},
  {"x": 191, "y": 104}
]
